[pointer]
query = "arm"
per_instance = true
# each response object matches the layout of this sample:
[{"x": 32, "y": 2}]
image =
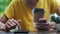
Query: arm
[
  {"x": 3, "y": 20},
  {"x": 7, "y": 17},
  {"x": 8, "y": 24}
]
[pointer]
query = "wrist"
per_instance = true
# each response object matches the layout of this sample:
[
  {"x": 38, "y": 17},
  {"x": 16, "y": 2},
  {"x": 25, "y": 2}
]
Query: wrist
[{"x": 2, "y": 26}]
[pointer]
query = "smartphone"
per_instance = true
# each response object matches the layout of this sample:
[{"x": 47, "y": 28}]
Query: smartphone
[{"x": 39, "y": 13}]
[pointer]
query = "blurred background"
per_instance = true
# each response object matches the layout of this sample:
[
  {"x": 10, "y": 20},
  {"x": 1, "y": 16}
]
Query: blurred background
[{"x": 3, "y": 5}]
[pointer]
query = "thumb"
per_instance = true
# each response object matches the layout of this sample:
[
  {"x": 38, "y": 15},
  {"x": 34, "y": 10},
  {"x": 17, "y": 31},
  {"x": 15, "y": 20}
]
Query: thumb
[{"x": 19, "y": 21}]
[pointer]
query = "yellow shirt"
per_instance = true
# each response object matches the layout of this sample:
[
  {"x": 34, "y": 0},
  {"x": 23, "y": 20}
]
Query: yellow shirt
[{"x": 18, "y": 10}]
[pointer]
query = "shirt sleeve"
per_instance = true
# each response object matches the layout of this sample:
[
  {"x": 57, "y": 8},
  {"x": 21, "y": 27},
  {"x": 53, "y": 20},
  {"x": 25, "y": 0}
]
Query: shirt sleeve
[{"x": 10, "y": 10}]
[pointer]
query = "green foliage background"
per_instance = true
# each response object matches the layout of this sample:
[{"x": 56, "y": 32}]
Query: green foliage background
[{"x": 3, "y": 5}]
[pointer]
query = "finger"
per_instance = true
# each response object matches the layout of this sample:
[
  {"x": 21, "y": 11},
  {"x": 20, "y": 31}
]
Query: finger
[
  {"x": 7, "y": 26},
  {"x": 12, "y": 22},
  {"x": 52, "y": 24},
  {"x": 9, "y": 23},
  {"x": 42, "y": 19},
  {"x": 19, "y": 21},
  {"x": 16, "y": 22}
]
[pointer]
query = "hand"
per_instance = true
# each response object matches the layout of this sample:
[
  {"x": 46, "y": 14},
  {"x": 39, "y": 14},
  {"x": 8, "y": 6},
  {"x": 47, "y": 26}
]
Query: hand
[
  {"x": 42, "y": 24},
  {"x": 11, "y": 24},
  {"x": 52, "y": 27}
]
